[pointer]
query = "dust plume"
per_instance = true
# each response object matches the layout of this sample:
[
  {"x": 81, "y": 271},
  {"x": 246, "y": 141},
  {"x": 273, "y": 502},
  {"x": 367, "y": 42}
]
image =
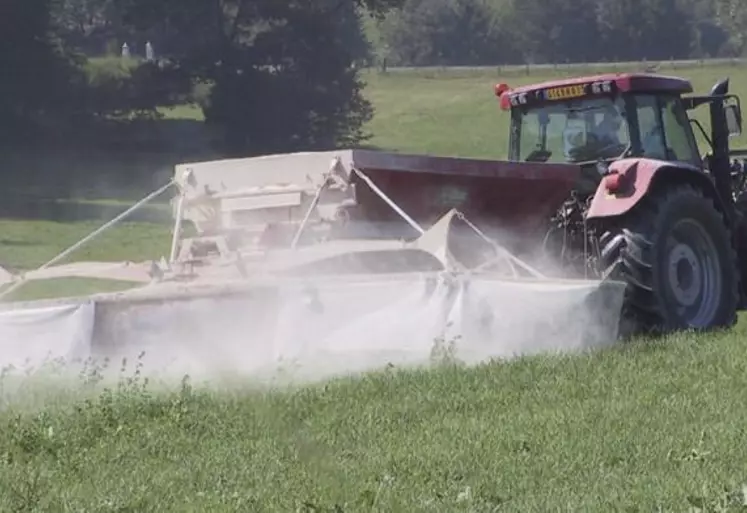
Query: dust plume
[{"x": 313, "y": 327}]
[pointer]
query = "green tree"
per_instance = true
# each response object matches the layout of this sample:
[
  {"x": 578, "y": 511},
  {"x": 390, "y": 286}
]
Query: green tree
[
  {"x": 284, "y": 74},
  {"x": 544, "y": 31},
  {"x": 87, "y": 25},
  {"x": 732, "y": 15},
  {"x": 650, "y": 29},
  {"x": 445, "y": 33},
  {"x": 709, "y": 37},
  {"x": 40, "y": 81},
  {"x": 556, "y": 32}
]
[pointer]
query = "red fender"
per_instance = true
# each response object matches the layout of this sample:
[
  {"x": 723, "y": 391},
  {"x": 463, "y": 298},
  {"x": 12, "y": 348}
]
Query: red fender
[{"x": 629, "y": 180}]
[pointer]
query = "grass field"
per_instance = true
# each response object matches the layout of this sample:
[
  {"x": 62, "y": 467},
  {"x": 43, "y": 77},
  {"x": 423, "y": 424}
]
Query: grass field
[{"x": 652, "y": 426}]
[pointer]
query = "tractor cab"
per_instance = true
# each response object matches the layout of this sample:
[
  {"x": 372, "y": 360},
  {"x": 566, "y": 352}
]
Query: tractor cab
[
  {"x": 604, "y": 117},
  {"x": 607, "y": 117},
  {"x": 595, "y": 120}
]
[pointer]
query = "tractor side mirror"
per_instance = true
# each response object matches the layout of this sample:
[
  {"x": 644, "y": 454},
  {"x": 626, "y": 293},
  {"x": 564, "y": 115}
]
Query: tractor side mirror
[{"x": 733, "y": 120}]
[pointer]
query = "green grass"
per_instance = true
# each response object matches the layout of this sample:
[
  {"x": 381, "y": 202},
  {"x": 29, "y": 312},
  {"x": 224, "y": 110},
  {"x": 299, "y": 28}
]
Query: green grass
[
  {"x": 29, "y": 244},
  {"x": 642, "y": 428},
  {"x": 650, "y": 426},
  {"x": 57, "y": 288},
  {"x": 26, "y": 245}
]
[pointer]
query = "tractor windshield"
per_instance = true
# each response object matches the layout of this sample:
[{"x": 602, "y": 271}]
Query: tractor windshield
[{"x": 571, "y": 131}]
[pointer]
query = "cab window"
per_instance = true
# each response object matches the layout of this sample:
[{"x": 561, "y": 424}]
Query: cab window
[
  {"x": 650, "y": 127},
  {"x": 665, "y": 129},
  {"x": 570, "y": 131},
  {"x": 678, "y": 132}
]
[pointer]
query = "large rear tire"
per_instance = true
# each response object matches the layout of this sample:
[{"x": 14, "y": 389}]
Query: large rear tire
[{"x": 675, "y": 253}]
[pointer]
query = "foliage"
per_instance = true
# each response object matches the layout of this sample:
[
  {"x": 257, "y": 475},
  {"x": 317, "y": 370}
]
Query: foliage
[
  {"x": 732, "y": 14},
  {"x": 89, "y": 26},
  {"x": 446, "y": 32},
  {"x": 40, "y": 81},
  {"x": 449, "y": 32},
  {"x": 284, "y": 74},
  {"x": 123, "y": 88},
  {"x": 297, "y": 86}
]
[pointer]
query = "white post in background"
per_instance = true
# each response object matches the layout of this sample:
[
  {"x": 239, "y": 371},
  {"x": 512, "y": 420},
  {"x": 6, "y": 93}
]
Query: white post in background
[
  {"x": 125, "y": 51},
  {"x": 149, "y": 53}
]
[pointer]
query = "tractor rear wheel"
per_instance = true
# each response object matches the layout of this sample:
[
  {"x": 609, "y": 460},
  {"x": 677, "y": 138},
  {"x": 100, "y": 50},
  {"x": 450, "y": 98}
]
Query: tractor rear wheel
[{"x": 675, "y": 253}]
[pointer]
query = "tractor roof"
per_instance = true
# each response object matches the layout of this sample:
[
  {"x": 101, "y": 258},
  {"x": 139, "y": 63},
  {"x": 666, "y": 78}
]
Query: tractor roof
[{"x": 624, "y": 82}]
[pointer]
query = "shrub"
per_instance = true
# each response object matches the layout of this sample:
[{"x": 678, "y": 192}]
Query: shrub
[{"x": 125, "y": 88}]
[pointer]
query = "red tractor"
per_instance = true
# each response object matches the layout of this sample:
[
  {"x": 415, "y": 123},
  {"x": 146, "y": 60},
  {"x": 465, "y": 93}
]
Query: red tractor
[
  {"x": 647, "y": 208},
  {"x": 604, "y": 182}
]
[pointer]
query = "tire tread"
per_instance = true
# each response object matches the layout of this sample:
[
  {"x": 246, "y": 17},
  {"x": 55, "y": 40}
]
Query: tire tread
[{"x": 627, "y": 255}]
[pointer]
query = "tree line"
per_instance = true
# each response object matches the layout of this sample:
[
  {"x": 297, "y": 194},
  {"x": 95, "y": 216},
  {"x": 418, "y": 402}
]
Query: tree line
[
  {"x": 285, "y": 75},
  {"x": 489, "y": 32}
]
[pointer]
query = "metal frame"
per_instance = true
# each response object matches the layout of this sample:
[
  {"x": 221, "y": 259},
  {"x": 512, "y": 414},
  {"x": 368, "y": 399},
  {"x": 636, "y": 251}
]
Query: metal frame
[{"x": 176, "y": 250}]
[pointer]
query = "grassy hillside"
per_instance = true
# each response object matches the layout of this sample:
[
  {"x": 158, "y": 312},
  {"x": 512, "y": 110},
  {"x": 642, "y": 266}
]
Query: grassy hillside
[{"x": 644, "y": 427}]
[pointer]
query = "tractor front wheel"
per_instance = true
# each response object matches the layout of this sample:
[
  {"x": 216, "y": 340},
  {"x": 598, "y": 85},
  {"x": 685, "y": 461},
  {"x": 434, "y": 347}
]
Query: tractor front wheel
[{"x": 675, "y": 253}]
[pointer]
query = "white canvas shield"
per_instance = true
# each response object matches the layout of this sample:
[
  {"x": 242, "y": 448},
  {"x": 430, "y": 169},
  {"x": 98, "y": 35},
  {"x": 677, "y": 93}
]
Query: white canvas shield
[{"x": 321, "y": 327}]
